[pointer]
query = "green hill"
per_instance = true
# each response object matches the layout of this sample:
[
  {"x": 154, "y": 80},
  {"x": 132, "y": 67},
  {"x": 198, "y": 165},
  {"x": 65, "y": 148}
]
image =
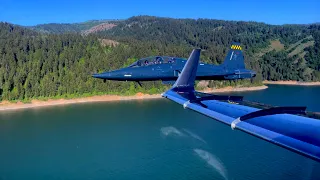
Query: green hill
[
  {"x": 38, "y": 64},
  {"x": 59, "y": 28}
]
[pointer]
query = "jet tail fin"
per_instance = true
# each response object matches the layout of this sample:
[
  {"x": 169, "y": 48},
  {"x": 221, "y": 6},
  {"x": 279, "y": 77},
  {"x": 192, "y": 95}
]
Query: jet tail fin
[
  {"x": 234, "y": 58},
  {"x": 186, "y": 80}
]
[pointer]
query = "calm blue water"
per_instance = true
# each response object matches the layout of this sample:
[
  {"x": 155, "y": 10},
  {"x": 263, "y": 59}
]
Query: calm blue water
[
  {"x": 286, "y": 95},
  {"x": 151, "y": 139}
]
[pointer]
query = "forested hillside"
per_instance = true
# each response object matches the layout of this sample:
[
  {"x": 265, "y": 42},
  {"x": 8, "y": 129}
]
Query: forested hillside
[
  {"x": 268, "y": 48},
  {"x": 59, "y": 28},
  {"x": 34, "y": 64}
]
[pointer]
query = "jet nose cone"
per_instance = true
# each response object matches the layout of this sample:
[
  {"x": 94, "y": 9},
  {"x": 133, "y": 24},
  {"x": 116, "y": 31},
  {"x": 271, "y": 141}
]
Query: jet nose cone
[
  {"x": 96, "y": 75},
  {"x": 104, "y": 75}
]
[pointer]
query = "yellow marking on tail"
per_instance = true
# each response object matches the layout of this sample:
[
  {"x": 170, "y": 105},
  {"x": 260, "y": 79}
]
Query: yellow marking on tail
[{"x": 236, "y": 47}]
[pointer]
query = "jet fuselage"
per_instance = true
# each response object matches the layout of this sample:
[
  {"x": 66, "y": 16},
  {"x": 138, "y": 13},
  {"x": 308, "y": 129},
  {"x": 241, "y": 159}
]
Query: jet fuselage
[{"x": 170, "y": 71}]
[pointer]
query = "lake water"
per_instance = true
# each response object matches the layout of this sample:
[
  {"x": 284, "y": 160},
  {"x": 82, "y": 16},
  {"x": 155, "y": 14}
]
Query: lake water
[{"x": 149, "y": 139}]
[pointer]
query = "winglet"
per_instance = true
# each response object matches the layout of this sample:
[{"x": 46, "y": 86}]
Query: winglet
[{"x": 186, "y": 80}]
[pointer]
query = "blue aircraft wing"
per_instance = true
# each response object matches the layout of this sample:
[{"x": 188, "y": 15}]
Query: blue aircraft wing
[{"x": 288, "y": 127}]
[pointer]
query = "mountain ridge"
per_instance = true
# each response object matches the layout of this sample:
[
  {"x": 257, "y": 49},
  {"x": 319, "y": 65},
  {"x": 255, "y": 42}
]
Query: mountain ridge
[
  {"x": 59, "y": 28},
  {"x": 74, "y": 27}
]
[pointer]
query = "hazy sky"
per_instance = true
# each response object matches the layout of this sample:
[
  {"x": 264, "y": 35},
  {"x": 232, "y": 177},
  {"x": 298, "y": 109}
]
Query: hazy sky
[{"x": 31, "y": 12}]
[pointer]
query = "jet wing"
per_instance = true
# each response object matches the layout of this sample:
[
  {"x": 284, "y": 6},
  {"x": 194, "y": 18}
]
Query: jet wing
[{"x": 284, "y": 126}]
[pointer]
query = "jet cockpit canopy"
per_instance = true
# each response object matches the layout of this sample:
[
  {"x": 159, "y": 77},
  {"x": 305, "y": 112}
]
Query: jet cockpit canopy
[{"x": 153, "y": 60}]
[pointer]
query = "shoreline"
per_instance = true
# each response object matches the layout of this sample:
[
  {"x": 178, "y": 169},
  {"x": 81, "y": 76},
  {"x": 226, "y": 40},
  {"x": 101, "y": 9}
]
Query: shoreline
[
  {"x": 299, "y": 83},
  {"x": 7, "y": 106},
  {"x": 234, "y": 89}
]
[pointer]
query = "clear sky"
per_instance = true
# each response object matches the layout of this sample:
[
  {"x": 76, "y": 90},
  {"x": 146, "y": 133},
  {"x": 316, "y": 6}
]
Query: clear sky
[{"x": 31, "y": 12}]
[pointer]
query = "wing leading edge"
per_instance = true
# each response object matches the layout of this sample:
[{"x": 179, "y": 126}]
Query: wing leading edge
[{"x": 278, "y": 125}]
